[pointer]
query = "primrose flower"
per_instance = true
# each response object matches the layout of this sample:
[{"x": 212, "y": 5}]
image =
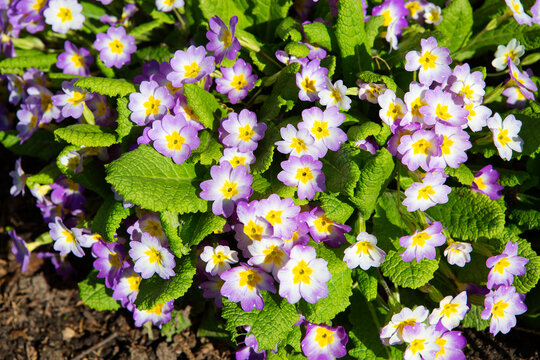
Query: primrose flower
[
  {"x": 41, "y": 98},
  {"x": 127, "y": 288},
  {"x": 151, "y": 103},
  {"x": 74, "y": 61},
  {"x": 304, "y": 276},
  {"x": 20, "y": 250},
  {"x": 421, "y": 149},
  {"x": 72, "y": 160},
  {"x": 212, "y": 290},
  {"x": 282, "y": 214},
  {"x": 364, "y": 253},
  {"x": 268, "y": 254},
  {"x": 236, "y": 81},
  {"x": 324, "y": 127},
  {"x": 432, "y": 14},
  {"x": 298, "y": 142},
  {"x": 150, "y": 257},
  {"x": 323, "y": 342},
  {"x": 394, "y": 13},
  {"x": 235, "y": 157},
  {"x": 72, "y": 101},
  {"x": 221, "y": 39},
  {"x": 370, "y": 91},
  {"x": 515, "y": 96},
  {"x": 102, "y": 112},
  {"x": 535, "y": 10},
  {"x": 311, "y": 80},
  {"x": 115, "y": 47},
  {"x": 150, "y": 224},
  {"x": 174, "y": 137},
  {"x": 242, "y": 130},
  {"x": 451, "y": 344},
  {"x": 470, "y": 86},
  {"x": 518, "y": 12},
  {"x": 431, "y": 191},
  {"x": 502, "y": 306},
  {"x": 218, "y": 259},
  {"x": 110, "y": 261},
  {"x": 158, "y": 315},
  {"x": 68, "y": 193},
  {"x": 421, "y": 339},
  {"x": 505, "y": 266},
  {"x": 228, "y": 186},
  {"x": 322, "y": 228},
  {"x": 300, "y": 237},
  {"x": 450, "y": 311},
  {"x": 422, "y": 244},
  {"x": 181, "y": 107},
  {"x": 458, "y": 253},
  {"x": 335, "y": 95},
  {"x": 393, "y": 109},
  {"x": 477, "y": 117},
  {"x": 190, "y": 66},
  {"x": 64, "y": 15},
  {"x": 415, "y": 8},
  {"x": 513, "y": 49},
  {"x": 64, "y": 240},
  {"x": 505, "y": 135},
  {"x": 315, "y": 52},
  {"x": 86, "y": 238},
  {"x": 523, "y": 80},
  {"x": 19, "y": 179},
  {"x": 485, "y": 182},
  {"x": 251, "y": 349},
  {"x": 244, "y": 283},
  {"x": 29, "y": 120},
  {"x": 442, "y": 108},
  {"x": 305, "y": 173},
  {"x": 455, "y": 143},
  {"x": 251, "y": 227},
  {"x": 432, "y": 62},
  {"x": 287, "y": 59},
  {"x": 392, "y": 333},
  {"x": 169, "y": 5},
  {"x": 415, "y": 99}
]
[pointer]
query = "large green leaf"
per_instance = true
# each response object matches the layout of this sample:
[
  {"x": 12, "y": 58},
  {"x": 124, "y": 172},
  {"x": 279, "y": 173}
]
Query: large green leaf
[
  {"x": 408, "y": 274},
  {"x": 341, "y": 170},
  {"x": 196, "y": 227},
  {"x": 335, "y": 209},
  {"x": 269, "y": 13},
  {"x": 19, "y": 63},
  {"x": 106, "y": 86},
  {"x": 226, "y": 9},
  {"x": 203, "y": 104},
  {"x": 86, "y": 135},
  {"x": 456, "y": 24},
  {"x": 95, "y": 295},
  {"x": 154, "y": 182}
]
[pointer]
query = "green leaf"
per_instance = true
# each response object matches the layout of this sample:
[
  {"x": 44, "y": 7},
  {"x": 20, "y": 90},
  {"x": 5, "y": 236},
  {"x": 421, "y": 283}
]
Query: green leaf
[
  {"x": 473, "y": 320},
  {"x": 388, "y": 222},
  {"x": 226, "y": 9},
  {"x": 525, "y": 283},
  {"x": 335, "y": 209},
  {"x": 171, "y": 224},
  {"x": 106, "y": 86},
  {"x": 107, "y": 71},
  {"x": 125, "y": 125},
  {"x": 284, "y": 92},
  {"x": 456, "y": 25},
  {"x": 371, "y": 77},
  {"x": 339, "y": 289},
  {"x": 510, "y": 178},
  {"x": 288, "y": 29},
  {"x": 19, "y": 63},
  {"x": 530, "y": 131},
  {"x": 269, "y": 325},
  {"x": 203, "y": 104},
  {"x": 264, "y": 153},
  {"x": 156, "y": 290},
  {"x": 95, "y": 295},
  {"x": 469, "y": 215},
  {"x": 408, "y": 274},
  {"x": 373, "y": 29},
  {"x": 210, "y": 150},
  {"x": 268, "y": 13},
  {"x": 108, "y": 218},
  {"x": 319, "y": 34},
  {"x": 92, "y": 11},
  {"x": 47, "y": 175},
  {"x": 527, "y": 218},
  {"x": 297, "y": 49},
  {"x": 360, "y": 132},
  {"x": 41, "y": 144},
  {"x": 367, "y": 283},
  {"x": 196, "y": 227},
  {"x": 350, "y": 36},
  {"x": 373, "y": 179},
  {"x": 154, "y": 182},
  {"x": 341, "y": 170},
  {"x": 86, "y": 135},
  {"x": 144, "y": 31},
  {"x": 463, "y": 174}
]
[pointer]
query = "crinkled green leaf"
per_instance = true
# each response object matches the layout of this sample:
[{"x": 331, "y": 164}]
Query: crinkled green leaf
[
  {"x": 196, "y": 227},
  {"x": 373, "y": 29},
  {"x": 269, "y": 184},
  {"x": 288, "y": 29},
  {"x": 339, "y": 288},
  {"x": 41, "y": 144},
  {"x": 171, "y": 225},
  {"x": 47, "y": 175},
  {"x": 159, "y": 53},
  {"x": 371, "y": 77},
  {"x": 473, "y": 320},
  {"x": 210, "y": 150},
  {"x": 108, "y": 218},
  {"x": 469, "y": 215},
  {"x": 297, "y": 49},
  {"x": 144, "y": 31},
  {"x": 330, "y": 63},
  {"x": 269, "y": 325},
  {"x": 388, "y": 222},
  {"x": 154, "y": 182},
  {"x": 362, "y": 131},
  {"x": 456, "y": 25},
  {"x": 319, "y": 34},
  {"x": 203, "y": 104},
  {"x": 284, "y": 90},
  {"x": 408, "y": 274},
  {"x": 106, "y": 86},
  {"x": 526, "y": 218},
  {"x": 510, "y": 178},
  {"x": 264, "y": 154},
  {"x": 156, "y": 290},
  {"x": 463, "y": 174},
  {"x": 341, "y": 170},
  {"x": 374, "y": 176},
  {"x": 95, "y": 295},
  {"x": 17, "y": 64},
  {"x": 530, "y": 131},
  {"x": 367, "y": 282},
  {"x": 86, "y": 135},
  {"x": 335, "y": 209},
  {"x": 125, "y": 125},
  {"x": 226, "y": 9},
  {"x": 268, "y": 14}
]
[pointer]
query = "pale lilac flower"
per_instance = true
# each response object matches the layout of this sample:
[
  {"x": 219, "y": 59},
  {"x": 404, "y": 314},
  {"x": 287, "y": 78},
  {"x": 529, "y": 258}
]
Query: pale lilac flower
[
  {"x": 535, "y": 10},
  {"x": 251, "y": 349},
  {"x": 72, "y": 101},
  {"x": 235, "y": 157},
  {"x": 394, "y": 13},
  {"x": 221, "y": 39},
  {"x": 515, "y": 96},
  {"x": 85, "y": 237},
  {"x": 242, "y": 130},
  {"x": 323, "y": 342},
  {"x": 150, "y": 224},
  {"x": 470, "y": 86},
  {"x": 458, "y": 253},
  {"x": 505, "y": 266},
  {"x": 399, "y": 132},
  {"x": 478, "y": 115},
  {"x": 68, "y": 193},
  {"x": 158, "y": 315},
  {"x": 502, "y": 306},
  {"x": 268, "y": 254},
  {"x": 218, "y": 259},
  {"x": 518, "y": 12},
  {"x": 64, "y": 15},
  {"x": 451, "y": 344},
  {"x": 432, "y": 14},
  {"x": 392, "y": 333},
  {"x": 415, "y": 99},
  {"x": 432, "y": 62},
  {"x": 416, "y": 9},
  {"x": 442, "y": 107},
  {"x": 16, "y": 88},
  {"x": 523, "y": 80},
  {"x": 368, "y": 144},
  {"x": 244, "y": 283},
  {"x": 315, "y": 52},
  {"x": 287, "y": 59},
  {"x": 454, "y": 144},
  {"x": 513, "y": 49},
  {"x": 300, "y": 237},
  {"x": 335, "y": 95},
  {"x": 72, "y": 160},
  {"x": 252, "y": 226},
  {"x": 19, "y": 179},
  {"x": 150, "y": 257},
  {"x": 181, "y": 107},
  {"x": 190, "y": 66},
  {"x": 421, "y": 149},
  {"x": 41, "y": 97},
  {"x": 174, "y": 137},
  {"x": 421, "y": 244},
  {"x": 364, "y": 253},
  {"x": 304, "y": 276},
  {"x": 322, "y": 228},
  {"x": 101, "y": 110},
  {"x": 505, "y": 135},
  {"x": 236, "y": 81},
  {"x": 110, "y": 261},
  {"x": 421, "y": 339},
  {"x": 485, "y": 182},
  {"x": 20, "y": 250},
  {"x": 282, "y": 214},
  {"x": 212, "y": 289},
  {"x": 311, "y": 80},
  {"x": 370, "y": 91},
  {"x": 74, "y": 60},
  {"x": 431, "y": 191},
  {"x": 151, "y": 103},
  {"x": 127, "y": 288},
  {"x": 115, "y": 47},
  {"x": 298, "y": 142},
  {"x": 451, "y": 311},
  {"x": 228, "y": 186},
  {"x": 393, "y": 109},
  {"x": 64, "y": 240},
  {"x": 169, "y": 5},
  {"x": 324, "y": 127},
  {"x": 305, "y": 173}
]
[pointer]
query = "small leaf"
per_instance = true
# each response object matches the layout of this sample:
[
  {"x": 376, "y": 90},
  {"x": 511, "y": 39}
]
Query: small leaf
[
  {"x": 108, "y": 218},
  {"x": 171, "y": 224},
  {"x": 335, "y": 209},
  {"x": 106, "y": 86},
  {"x": 95, "y": 295},
  {"x": 319, "y": 34},
  {"x": 297, "y": 49}
]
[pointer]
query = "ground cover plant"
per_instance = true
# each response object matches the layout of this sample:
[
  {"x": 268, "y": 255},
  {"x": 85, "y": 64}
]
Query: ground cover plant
[{"x": 336, "y": 178}]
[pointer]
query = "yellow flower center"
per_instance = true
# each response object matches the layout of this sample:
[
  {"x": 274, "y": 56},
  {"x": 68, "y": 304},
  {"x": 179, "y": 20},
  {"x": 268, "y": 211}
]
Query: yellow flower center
[
  {"x": 417, "y": 345},
  {"x": 498, "y": 308},
  {"x": 154, "y": 256},
  {"x": 415, "y": 107},
  {"x": 245, "y": 133},
  {"x": 253, "y": 230},
  {"x": 394, "y": 111},
  {"x": 387, "y": 17},
  {"x": 33, "y": 121},
  {"x": 77, "y": 60},
  {"x": 116, "y": 46},
  {"x": 65, "y": 14},
  {"x": 39, "y": 4},
  {"x": 364, "y": 247},
  {"x": 467, "y": 92},
  {"x": 446, "y": 145},
  {"x": 134, "y": 281},
  {"x": 229, "y": 189},
  {"x": 441, "y": 342},
  {"x": 172, "y": 89},
  {"x": 115, "y": 260},
  {"x": 472, "y": 113},
  {"x": 425, "y": 192},
  {"x": 442, "y": 112},
  {"x": 449, "y": 309},
  {"x": 227, "y": 38},
  {"x": 308, "y": 85},
  {"x": 192, "y": 70},
  {"x": 273, "y": 255},
  {"x": 421, "y": 146},
  {"x": 219, "y": 258},
  {"x": 169, "y": 2},
  {"x": 324, "y": 336},
  {"x": 239, "y": 82},
  {"x": 301, "y": 273},
  {"x": 503, "y": 137},
  {"x": 153, "y": 228},
  {"x": 413, "y": 8},
  {"x": 249, "y": 278},
  {"x": 77, "y": 98},
  {"x": 152, "y": 105},
  {"x": 274, "y": 217},
  {"x": 304, "y": 175},
  {"x": 513, "y": 55},
  {"x": 238, "y": 160},
  {"x": 420, "y": 239},
  {"x": 158, "y": 309},
  {"x": 428, "y": 61},
  {"x": 323, "y": 224},
  {"x": 501, "y": 265},
  {"x": 320, "y": 129},
  {"x": 480, "y": 183},
  {"x": 175, "y": 141},
  {"x": 69, "y": 236},
  {"x": 336, "y": 95},
  {"x": 298, "y": 145}
]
